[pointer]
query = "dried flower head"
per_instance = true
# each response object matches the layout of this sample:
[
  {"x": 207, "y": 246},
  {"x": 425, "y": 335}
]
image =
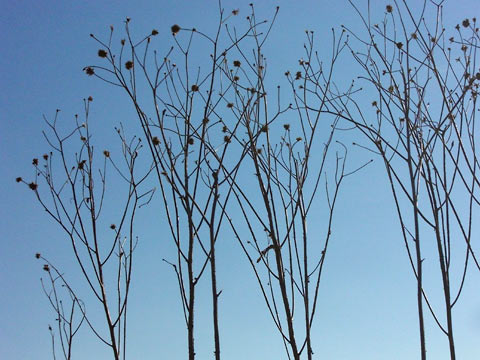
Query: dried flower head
[
  {"x": 113, "y": 226},
  {"x": 477, "y": 76},
  {"x": 45, "y": 156},
  {"x": 33, "y": 186},
  {"x": 156, "y": 141},
  {"x": 46, "y": 267},
  {"x": 194, "y": 88},
  {"x": 230, "y": 105},
  {"x": 154, "y": 32},
  {"x": 89, "y": 71},
  {"x": 190, "y": 141},
  {"x": 37, "y": 256},
  {"x": 175, "y": 29},
  {"x": 399, "y": 45},
  {"x": 83, "y": 138},
  {"x": 389, "y": 8},
  {"x": 235, "y": 12},
  {"x": 286, "y": 126},
  {"x": 298, "y": 75},
  {"x": 224, "y": 128},
  {"x": 102, "y": 53},
  {"x": 298, "y": 138},
  {"x": 414, "y": 36},
  {"x": 18, "y": 179},
  {"x": 374, "y": 103},
  {"x": 227, "y": 139},
  {"x": 466, "y": 23},
  {"x": 205, "y": 121},
  {"x": 390, "y": 88},
  {"x": 236, "y": 78},
  {"x": 90, "y": 99},
  {"x": 129, "y": 65},
  {"x": 237, "y": 63},
  {"x": 35, "y": 162},
  {"x": 81, "y": 164},
  {"x": 106, "y": 153},
  {"x": 122, "y": 42},
  {"x": 264, "y": 128}
]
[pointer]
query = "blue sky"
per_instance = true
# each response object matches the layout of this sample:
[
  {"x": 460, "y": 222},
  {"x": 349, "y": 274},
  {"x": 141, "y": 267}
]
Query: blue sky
[{"x": 367, "y": 308}]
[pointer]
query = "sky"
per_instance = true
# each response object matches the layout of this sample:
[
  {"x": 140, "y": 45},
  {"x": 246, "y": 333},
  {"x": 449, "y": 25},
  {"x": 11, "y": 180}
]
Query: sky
[{"x": 367, "y": 308}]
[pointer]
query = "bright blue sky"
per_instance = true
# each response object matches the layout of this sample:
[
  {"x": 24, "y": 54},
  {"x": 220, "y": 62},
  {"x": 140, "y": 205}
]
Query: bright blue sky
[{"x": 367, "y": 308}]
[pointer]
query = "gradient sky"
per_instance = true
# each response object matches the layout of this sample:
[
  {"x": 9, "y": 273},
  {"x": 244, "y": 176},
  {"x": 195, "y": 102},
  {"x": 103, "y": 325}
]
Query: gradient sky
[{"x": 367, "y": 309}]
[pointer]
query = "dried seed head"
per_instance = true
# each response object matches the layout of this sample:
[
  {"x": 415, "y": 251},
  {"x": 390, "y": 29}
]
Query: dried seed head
[
  {"x": 46, "y": 268},
  {"x": 113, "y": 226},
  {"x": 264, "y": 128},
  {"x": 389, "y": 8},
  {"x": 235, "y": 12},
  {"x": 236, "y": 78},
  {"x": 399, "y": 45},
  {"x": 89, "y": 71},
  {"x": 286, "y": 126},
  {"x": 190, "y": 141},
  {"x": 194, "y": 88},
  {"x": 227, "y": 139},
  {"x": 175, "y": 29},
  {"x": 106, "y": 153},
  {"x": 90, "y": 98},
  {"x": 18, "y": 179},
  {"x": 298, "y": 75},
  {"x": 298, "y": 138},
  {"x": 37, "y": 256},
  {"x": 102, "y": 53},
  {"x": 35, "y": 162},
  {"x": 466, "y": 23},
  {"x": 45, "y": 156},
  {"x": 230, "y": 105},
  {"x": 154, "y": 32},
  {"x": 237, "y": 63},
  {"x": 156, "y": 141},
  {"x": 129, "y": 65}
]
